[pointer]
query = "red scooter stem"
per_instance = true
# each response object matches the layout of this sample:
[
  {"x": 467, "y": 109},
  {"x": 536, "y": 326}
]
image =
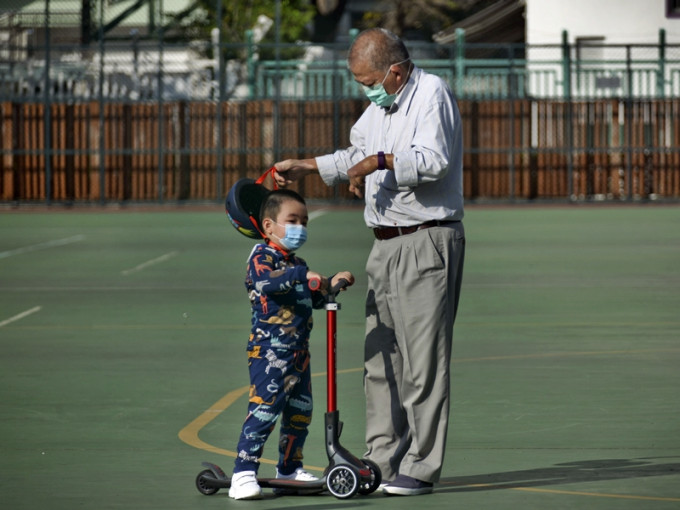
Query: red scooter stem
[
  {"x": 331, "y": 329},
  {"x": 332, "y": 308}
]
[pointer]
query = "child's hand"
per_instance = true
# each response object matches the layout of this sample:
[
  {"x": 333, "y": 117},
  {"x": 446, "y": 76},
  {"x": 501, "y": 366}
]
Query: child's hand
[{"x": 343, "y": 275}]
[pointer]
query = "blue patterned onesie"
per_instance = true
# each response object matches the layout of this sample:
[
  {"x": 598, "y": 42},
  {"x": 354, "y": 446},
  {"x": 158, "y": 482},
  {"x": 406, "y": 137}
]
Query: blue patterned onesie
[{"x": 278, "y": 357}]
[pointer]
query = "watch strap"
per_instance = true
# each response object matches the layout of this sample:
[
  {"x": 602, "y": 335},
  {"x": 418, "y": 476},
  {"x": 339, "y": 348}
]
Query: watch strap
[{"x": 382, "y": 164}]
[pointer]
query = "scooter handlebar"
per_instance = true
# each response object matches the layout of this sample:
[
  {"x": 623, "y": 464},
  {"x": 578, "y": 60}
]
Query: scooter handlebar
[
  {"x": 342, "y": 283},
  {"x": 314, "y": 284}
]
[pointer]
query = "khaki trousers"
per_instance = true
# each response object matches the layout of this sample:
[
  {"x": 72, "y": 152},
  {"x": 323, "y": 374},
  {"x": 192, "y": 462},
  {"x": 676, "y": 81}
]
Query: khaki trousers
[{"x": 413, "y": 289}]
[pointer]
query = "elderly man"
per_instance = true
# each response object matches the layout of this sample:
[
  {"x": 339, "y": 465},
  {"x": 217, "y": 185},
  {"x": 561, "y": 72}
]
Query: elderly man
[{"x": 405, "y": 159}]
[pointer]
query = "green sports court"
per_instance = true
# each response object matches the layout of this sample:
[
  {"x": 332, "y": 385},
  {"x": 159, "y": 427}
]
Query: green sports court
[{"x": 123, "y": 367}]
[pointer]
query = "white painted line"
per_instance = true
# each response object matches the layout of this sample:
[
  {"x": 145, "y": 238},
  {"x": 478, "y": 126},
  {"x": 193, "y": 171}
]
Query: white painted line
[
  {"x": 315, "y": 214},
  {"x": 42, "y": 246},
  {"x": 20, "y": 316},
  {"x": 148, "y": 263}
]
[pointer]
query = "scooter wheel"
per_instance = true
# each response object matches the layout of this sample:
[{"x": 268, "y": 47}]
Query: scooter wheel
[
  {"x": 201, "y": 484},
  {"x": 342, "y": 481},
  {"x": 376, "y": 477}
]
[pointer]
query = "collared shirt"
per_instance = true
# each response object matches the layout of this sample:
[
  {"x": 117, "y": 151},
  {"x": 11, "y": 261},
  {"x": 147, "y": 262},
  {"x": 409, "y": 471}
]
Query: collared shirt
[{"x": 423, "y": 131}]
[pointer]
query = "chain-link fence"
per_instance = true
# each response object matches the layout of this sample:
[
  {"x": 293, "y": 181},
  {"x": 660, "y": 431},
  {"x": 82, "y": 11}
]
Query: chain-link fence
[{"x": 100, "y": 102}]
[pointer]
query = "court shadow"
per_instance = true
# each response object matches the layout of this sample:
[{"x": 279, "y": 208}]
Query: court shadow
[{"x": 564, "y": 473}]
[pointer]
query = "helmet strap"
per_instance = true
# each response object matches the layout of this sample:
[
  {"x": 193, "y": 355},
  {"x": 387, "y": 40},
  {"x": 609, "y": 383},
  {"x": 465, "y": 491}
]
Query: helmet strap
[
  {"x": 257, "y": 226},
  {"x": 261, "y": 179}
]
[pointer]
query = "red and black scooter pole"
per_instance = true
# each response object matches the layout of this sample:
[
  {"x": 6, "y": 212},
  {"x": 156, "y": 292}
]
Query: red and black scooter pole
[
  {"x": 346, "y": 473},
  {"x": 332, "y": 308}
]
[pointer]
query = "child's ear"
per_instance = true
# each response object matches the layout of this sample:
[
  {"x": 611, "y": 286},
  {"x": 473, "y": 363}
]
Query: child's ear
[{"x": 267, "y": 225}]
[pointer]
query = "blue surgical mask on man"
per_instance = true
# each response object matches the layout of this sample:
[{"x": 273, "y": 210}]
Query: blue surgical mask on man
[
  {"x": 295, "y": 236},
  {"x": 378, "y": 94}
]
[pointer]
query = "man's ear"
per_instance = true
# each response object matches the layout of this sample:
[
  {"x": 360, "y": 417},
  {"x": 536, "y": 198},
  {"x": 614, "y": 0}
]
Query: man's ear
[{"x": 401, "y": 74}]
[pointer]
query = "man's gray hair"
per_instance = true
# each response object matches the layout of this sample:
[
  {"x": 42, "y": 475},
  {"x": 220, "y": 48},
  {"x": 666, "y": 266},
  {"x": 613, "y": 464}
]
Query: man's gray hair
[{"x": 379, "y": 47}]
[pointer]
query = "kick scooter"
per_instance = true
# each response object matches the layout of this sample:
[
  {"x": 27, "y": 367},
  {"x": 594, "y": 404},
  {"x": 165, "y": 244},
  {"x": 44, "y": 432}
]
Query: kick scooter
[{"x": 345, "y": 475}]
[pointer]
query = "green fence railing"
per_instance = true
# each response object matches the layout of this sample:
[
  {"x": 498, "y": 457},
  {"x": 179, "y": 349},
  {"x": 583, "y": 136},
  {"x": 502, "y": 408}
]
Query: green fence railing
[{"x": 649, "y": 71}]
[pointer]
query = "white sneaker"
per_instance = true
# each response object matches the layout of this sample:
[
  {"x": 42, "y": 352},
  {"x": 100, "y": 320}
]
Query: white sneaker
[
  {"x": 244, "y": 486},
  {"x": 299, "y": 475}
]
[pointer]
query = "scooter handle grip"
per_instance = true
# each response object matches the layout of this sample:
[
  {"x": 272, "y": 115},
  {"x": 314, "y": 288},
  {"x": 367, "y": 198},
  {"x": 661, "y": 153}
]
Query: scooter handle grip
[{"x": 314, "y": 284}]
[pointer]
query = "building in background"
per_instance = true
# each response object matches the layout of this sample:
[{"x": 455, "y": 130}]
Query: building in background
[
  {"x": 509, "y": 48},
  {"x": 616, "y": 47},
  {"x": 602, "y": 21}
]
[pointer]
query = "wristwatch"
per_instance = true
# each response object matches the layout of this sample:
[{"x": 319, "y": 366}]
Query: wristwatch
[{"x": 382, "y": 164}]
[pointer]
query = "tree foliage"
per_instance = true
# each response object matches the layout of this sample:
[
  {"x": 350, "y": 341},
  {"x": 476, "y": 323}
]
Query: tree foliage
[
  {"x": 420, "y": 19},
  {"x": 238, "y": 16}
]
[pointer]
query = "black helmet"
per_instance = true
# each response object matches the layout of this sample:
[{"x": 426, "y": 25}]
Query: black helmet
[{"x": 243, "y": 206}]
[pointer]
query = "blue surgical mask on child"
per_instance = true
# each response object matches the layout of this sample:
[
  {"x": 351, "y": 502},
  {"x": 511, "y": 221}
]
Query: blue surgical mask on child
[
  {"x": 295, "y": 236},
  {"x": 378, "y": 94}
]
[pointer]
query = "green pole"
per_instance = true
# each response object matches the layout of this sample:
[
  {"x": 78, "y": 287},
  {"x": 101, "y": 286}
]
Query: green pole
[
  {"x": 566, "y": 76},
  {"x": 661, "y": 73},
  {"x": 566, "y": 66},
  {"x": 220, "y": 100},
  {"x": 161, "y": 116},
  {"x": 47, "y": 111},
  {"x": 102, "y": 149},
  {"x": 251, "y": 63},
  {"x": 460, "y": 61}
]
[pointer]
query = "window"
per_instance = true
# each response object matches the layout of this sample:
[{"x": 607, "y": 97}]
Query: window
[
  {"x": 673, "y": 8},
  {"x": 589, "y": 59},
  {"x": 590, "y": 48}
]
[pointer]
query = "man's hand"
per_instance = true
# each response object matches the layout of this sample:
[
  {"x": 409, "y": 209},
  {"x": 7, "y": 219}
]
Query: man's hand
[
  {"x": 291, "y": 170},
  {"x": 357, "y": 180},
  {"x": 357, "y": 174}
]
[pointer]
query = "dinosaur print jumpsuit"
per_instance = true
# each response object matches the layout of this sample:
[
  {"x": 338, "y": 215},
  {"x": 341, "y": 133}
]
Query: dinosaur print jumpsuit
[{"x": 278, "y": 357}]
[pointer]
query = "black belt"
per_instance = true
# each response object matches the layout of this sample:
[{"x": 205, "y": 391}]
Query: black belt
[{"x": 384, "y": 233}]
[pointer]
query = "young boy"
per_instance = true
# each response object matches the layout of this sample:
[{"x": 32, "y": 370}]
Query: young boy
[{"x": 278, "y": 348}]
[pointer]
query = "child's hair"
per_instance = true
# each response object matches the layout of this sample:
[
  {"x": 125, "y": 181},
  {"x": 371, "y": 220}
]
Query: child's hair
[{"x": 272, "y": 203}]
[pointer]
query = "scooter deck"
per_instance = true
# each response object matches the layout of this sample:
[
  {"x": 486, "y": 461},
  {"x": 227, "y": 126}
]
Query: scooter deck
[{"x": 215, "y": 478}]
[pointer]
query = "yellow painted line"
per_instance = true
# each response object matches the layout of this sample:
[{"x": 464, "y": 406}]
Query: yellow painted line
[
  {"x": 567, "y": 493},
  {"x": 595, "y": 494},
  {"x": 189, "y": 434}
]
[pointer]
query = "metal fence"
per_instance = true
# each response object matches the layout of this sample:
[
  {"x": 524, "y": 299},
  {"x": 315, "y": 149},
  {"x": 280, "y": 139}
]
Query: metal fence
[
  {"x": 80, "y": 50},
  {"x": 195, "y": 150},
  {"x": 132, "y": 118},
  {"x": 135, "y": 69}
]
